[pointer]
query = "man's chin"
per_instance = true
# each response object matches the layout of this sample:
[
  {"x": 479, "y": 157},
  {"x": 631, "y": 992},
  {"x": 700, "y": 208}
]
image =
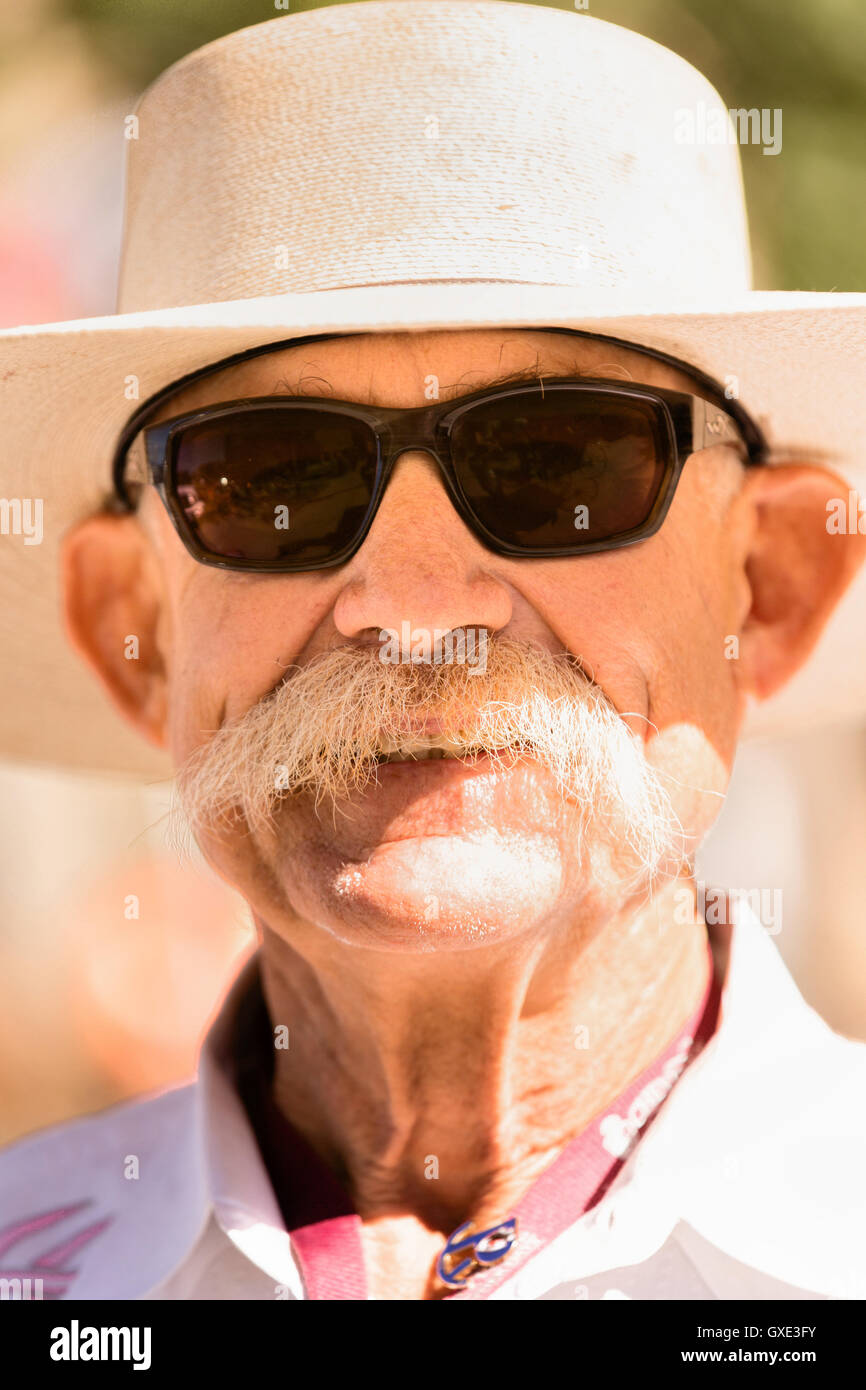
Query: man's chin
[{"x": 439, "y": 892}]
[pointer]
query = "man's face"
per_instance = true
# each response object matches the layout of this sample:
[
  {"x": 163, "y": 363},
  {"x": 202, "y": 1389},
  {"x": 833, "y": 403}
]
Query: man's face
[{"x": 445, "y": 852}]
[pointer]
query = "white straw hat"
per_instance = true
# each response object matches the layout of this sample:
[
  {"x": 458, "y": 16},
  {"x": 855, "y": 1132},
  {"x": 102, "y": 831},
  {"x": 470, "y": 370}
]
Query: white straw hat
[{"x": 397, "y": 165}]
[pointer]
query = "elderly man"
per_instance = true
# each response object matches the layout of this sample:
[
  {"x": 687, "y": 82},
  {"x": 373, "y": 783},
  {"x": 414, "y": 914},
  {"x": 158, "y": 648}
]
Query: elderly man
[{"x": 447, "y": 615}]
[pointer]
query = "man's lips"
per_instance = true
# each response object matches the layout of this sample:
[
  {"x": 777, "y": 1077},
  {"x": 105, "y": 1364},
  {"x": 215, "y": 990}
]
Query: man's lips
[
  {"x": 450, "y": 796},
  {"x": 429, "y": 743},
  {"x": 477, "y": 763},
  {"x": 411, "y": 749}
]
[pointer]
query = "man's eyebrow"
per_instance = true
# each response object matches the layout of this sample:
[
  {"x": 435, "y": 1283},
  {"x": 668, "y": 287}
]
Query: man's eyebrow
[
  {"x": 480, "y": 381},
  {"x": 484, "y": 381},
  {"x": 284, "y": 387}
]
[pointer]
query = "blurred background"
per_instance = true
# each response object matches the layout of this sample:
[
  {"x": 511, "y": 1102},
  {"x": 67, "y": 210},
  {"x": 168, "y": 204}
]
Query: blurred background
[{"x": 113, "y": 951}]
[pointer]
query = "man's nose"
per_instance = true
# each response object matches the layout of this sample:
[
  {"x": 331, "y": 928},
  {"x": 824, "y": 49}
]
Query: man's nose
[{"x": 420, "y": 563}]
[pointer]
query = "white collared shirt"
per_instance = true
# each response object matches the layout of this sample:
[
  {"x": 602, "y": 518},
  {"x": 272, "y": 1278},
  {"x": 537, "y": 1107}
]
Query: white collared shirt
[{"x": 747, "y": 1184}]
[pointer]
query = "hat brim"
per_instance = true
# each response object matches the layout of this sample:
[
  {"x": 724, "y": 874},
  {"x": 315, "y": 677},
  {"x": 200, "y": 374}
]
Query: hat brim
[{"x": 797, "y": 358}]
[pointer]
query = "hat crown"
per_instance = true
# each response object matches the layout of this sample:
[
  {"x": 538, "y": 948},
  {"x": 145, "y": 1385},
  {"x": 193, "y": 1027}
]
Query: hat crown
[{"x": 388, "y": 141}]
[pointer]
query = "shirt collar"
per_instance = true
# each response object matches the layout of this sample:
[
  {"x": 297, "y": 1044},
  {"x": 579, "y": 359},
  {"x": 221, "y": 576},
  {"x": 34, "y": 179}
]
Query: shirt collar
[{"x": 238, "y": 1187}]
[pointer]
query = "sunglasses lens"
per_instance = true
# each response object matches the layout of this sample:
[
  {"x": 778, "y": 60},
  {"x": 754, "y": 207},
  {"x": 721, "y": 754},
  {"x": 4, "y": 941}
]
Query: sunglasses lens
[
  {"x": 286, "y": 486},
  {"x": 562, "y": 468},
  {"x": 274, "y": 485}
]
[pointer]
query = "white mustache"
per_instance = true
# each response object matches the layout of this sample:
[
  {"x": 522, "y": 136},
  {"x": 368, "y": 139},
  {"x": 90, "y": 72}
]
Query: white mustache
[{"x": 321, "y": 730}]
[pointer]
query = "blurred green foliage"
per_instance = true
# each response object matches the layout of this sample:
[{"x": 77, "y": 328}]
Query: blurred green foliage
[{"x": 807, "y": 206}]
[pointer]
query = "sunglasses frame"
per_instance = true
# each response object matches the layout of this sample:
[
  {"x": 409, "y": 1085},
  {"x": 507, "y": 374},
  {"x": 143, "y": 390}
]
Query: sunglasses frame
[{"x": 688, "y": 422}]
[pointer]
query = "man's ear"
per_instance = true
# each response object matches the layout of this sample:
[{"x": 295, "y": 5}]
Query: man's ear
[
  {"x": 797, "y": 565},
  {"x": 112, "y": 602}
]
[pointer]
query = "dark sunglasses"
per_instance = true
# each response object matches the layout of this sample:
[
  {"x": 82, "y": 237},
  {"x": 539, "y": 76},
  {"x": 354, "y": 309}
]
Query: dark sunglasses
[{"x": 566, "y": 466}]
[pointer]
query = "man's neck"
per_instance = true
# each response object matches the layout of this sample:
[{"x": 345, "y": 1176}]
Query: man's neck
[{"x": 484, "y": 1063}]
